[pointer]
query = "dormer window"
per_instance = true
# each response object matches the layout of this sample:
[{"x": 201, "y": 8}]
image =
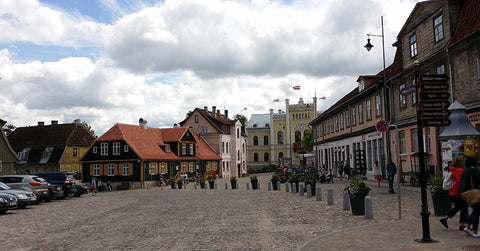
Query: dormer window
[
  {"x": 254, "y": 125},
  {"x": 361, "y": 85},
  {"x": 167, "y": 148}
]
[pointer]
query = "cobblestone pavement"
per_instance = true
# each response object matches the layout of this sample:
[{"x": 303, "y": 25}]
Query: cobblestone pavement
[{"x": 195, "y": 219}]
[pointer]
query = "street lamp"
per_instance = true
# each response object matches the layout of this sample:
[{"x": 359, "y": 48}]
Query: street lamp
[{"x": 369, "y": 46}]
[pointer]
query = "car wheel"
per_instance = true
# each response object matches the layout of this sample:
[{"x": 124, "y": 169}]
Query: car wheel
[
  {"x": 3, "y": 211},
  {"x": 23, "y": 206},
  {"x": 48, "y": 199}
]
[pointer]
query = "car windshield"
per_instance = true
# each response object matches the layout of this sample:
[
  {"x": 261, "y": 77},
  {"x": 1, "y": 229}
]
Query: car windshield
[{"x": 4, "y": 187}]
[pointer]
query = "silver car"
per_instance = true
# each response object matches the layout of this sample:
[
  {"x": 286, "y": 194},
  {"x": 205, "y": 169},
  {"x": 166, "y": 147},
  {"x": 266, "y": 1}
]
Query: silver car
[
  {"x": 32, "y": 183},
  {"x": 7, "y": 202},
  {"x": 24, "y": 197}
]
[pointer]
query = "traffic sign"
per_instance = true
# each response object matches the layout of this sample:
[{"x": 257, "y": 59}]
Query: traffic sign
[
  {"x": 435, "y": 105},
  {"x": 436, "y": 122},
  {"x": 434, "y": 78},
  {"x": 435, "y": 95},
  {"x": 431, "y": 114},
  {"x": 408, "y": 90},
  {"x": 434, "y": 87},
  {"x": 382, "y": 126}
]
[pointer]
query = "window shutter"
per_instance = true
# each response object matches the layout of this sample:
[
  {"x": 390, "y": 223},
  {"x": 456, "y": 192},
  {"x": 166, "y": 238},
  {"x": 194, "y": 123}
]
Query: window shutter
[
  {"x": 115, "y": 171},
  {"x": 91, "y": 169},
  {"x": 130, "y": 169}
]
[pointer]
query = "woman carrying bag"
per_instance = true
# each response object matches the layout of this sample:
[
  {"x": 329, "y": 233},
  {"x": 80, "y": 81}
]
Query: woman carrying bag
[
  {"x": 456, "y": 197},
  {"x": 471, "y": 180}
]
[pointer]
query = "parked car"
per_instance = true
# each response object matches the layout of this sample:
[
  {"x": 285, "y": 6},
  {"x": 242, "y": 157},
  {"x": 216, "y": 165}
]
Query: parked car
[
  {"x": 81, "y": 189},
  {"x": 55, "y": 191},
  {"x": 24, "y": 198},
  {"x": 32, "y": 183},
  {"x": 61, "y": 178},
  {"x": 7, "y": 202}
]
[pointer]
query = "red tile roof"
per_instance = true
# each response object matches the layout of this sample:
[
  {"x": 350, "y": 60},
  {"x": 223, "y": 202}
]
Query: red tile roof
[
  {"x": 72, "y": 134},
  {"x": 468, "y": 21}
]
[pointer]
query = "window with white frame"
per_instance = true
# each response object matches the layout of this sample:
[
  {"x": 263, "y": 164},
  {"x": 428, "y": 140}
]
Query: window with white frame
[
  {"x": 184, "y": 166},
  {"x": 116, "y": 148},
  {"x": 95, "y": 149},
  {"x": 341, "y": 121},
  {"x": 96, "y": 169},
  {"x": 347, "y": 119},
  {"x": 163, "y": 167},
  {"x": 336, "y": 123},
  {"x": 192, "y": 167},
  {"x": 413, "y": 45},
  {"x": 204, "y": 129},
  {"x": 354, "y": 116},
  {"x": 191, "y": 149},
  {"x": 403, "y": 146},
  {"x": 369, "y": 109},
  {"x": 74, "y": 152},
  {"x": 415, "y": 140},
  {"x": 104, "y": 149},
  {"x": 378, "y": 105},
  {"x": 184, "y": 149},
  {"x": 126, "y": 148},
  {"x": 360, "y": 113},
  {"x": 438, "y": 27},
  {"x": 153, "y": 166},
  {"x": 167, "y": 148},
  {"x": 441, "y": 69},
  {"x": 125, "y": 169},
  {"x": 111, "y": 169},
  {"x": 196, "y": 118},
  {"x": 414, "y": 94}
]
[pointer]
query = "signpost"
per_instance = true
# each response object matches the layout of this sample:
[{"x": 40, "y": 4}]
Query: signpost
[
  {"x": 433, "y": 100},
  {"x": 382, "y": 126}
]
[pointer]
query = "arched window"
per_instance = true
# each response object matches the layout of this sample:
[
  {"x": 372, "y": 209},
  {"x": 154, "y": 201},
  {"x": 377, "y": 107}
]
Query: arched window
[
  {"x": 298, "y": 136},
  {"x": 280, "y": 155},
  {"x": 265, "y": 157},
  {"x": 255, "y": 157},
  {"x": 280, "y": 138},
  {"x": 255, "y": 140},
  {"x": 265, "y": 140},
  {"x": 238, "y": 133}
]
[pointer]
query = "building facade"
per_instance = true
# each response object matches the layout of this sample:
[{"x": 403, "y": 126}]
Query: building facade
[
  {"x": 226, "y": 136},
  {"x": 8, "y": 157},
  {"x": 276, "y": 137}
]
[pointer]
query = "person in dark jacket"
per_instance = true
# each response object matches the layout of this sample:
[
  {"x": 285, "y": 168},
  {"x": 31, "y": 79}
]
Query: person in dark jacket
[
  {"x": 471, "y": 179},
  {"x": 346, "y": 170},
  {"x": 456, "y": 197}
]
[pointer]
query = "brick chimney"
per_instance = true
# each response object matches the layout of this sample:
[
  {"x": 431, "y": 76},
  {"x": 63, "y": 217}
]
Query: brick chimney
[
  {"x": 143, "y": 123},
  {"x": 214, "y": 109},
  {"x": 54, "y": 122},
  {"x": 226, "y": 114},
  {"x": 205, "y": 108},
  {"x": 41, "y": 123}
]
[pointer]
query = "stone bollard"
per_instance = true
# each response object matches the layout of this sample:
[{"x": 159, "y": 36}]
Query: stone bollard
[
  {"x": 300, "y": 189},
  {"x": 309, "y": 191},
  {"x": 258, "y": 186},
  {"x": 287, "y": 187},
  {"x": 269, "y": 186},
  {"x": 278, "y": 186},
  {"x": 329, "y": 197},
  {"x": 368, "y": 208},
  {"x": 346, "y": 201},
  {"x": 248, "y": 186},
  {"x": 294, "y": 188},
  {"x": 318, "y": 193},
  {"x": 195, "y": 186},
  {"x": 215, "y": 186},
  {"x": 226, "y": 186}
]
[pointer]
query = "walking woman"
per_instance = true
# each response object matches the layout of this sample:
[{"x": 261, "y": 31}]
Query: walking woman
[
  {"x": 456, "y": 170},
  {"x": 471, "y": 179},
  {"x": 377, "y": 172}
]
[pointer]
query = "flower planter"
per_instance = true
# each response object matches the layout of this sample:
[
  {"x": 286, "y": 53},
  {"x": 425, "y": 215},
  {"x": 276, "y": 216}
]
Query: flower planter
[
  {"x": 233, "y": 184},
  {"x": 202, "y": 184},
  {"x": 357, "y": 203},
  {"x": 172, "y": 185},
  {"x": 441, "y": 203},
  {"x": 254, "y": 185},
  {"x": 211, "y": 184},
  {"x": 179, "y": 185},
  {"x": 274, "y": 184}
]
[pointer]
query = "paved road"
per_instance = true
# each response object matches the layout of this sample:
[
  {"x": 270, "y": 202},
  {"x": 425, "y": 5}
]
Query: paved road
[{"x": 195, "y": 219}]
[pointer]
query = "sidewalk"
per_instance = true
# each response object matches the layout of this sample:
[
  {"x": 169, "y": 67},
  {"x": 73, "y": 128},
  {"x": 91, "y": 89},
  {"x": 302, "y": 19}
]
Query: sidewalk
[{"x": 397, "y": 235}]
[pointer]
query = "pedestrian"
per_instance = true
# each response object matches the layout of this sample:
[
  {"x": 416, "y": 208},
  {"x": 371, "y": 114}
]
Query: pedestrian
[
  {"x": 346, "y": 170},
  {"x": 377, "y": 172},
  {"x": 456, "y": 170},
  {"x": 93, "y": 186},
  {"x": 100, "y": 186},
  {"x": 471, "y": 180},
  {"x": 392, "y": 170},
  {"x": 340, "y": 170},
  {"x": 109, "y": 186}
]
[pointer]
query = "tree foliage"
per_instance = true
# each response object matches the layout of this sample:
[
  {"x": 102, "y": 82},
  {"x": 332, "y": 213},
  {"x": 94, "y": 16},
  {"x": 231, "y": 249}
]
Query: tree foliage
[
  {"x": 241, "y": 118},
  {"x": 9, "y": 129},
  {"x": 86, "y": 126},
  {"x": 307, "y": 141}
]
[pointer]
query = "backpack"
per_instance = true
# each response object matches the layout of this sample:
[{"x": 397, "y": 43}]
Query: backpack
[{"x": 448, "y": 182}]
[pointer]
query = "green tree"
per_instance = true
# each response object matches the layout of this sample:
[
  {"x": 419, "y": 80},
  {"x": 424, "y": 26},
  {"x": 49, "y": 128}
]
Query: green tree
[
  {"x": 241, "y": 118},
  {"x": 10, "y": 128},
  {"x": 86, "y": 126},
  {"x": 307, "y": 141},
  {"x": 189, "y": 113}
]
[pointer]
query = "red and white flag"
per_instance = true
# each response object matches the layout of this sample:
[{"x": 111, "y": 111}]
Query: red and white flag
[
  {"x": 276, "y": 100},
  {"x": 297, "y": 87},
  {"x": 322, "y": 98}
]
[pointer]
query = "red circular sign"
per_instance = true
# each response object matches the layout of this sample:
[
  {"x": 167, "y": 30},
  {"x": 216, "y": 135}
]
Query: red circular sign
[{"x": 382, "y": 126}]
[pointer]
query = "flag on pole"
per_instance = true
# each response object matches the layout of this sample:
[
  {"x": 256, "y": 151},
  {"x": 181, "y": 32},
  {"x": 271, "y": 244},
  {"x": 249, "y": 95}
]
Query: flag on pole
[
  {"x": 297, "y": 87},
  {"x": 244, "y": 109},
  {"x": 276, "y": 100},
  {"x": 322, "y": 98}
]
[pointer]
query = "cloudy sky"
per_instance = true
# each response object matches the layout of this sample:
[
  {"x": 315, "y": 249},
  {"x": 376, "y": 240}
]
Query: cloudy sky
[{"x": 115, "y": 61}]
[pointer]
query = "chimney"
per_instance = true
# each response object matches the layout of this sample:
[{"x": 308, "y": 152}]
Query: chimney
[
  {"x": 205, "y": 108},
  {"x": 41, "y": 123},
  {"x": 226, "y": 114},
  {"x": 54, "y": 122},
  {"x": 142, "y": 123},
  {"x": 214, "y": 109}
]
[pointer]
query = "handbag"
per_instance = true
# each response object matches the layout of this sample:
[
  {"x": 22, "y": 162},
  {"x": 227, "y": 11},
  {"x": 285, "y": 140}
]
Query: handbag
[
  {"x": 471, "y": 196},
  {"x": 448, "y": 182}
]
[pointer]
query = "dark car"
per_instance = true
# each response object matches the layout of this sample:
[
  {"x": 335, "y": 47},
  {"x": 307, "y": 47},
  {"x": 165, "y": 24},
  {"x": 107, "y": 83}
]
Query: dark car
[
  {"x": 7, "y": 202},
  {"x": 24, "y": 198},
  {"x": 81, "y": 189},
  {"x": 55, "y": 191},
  {"x": 61, "y": 178}
]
